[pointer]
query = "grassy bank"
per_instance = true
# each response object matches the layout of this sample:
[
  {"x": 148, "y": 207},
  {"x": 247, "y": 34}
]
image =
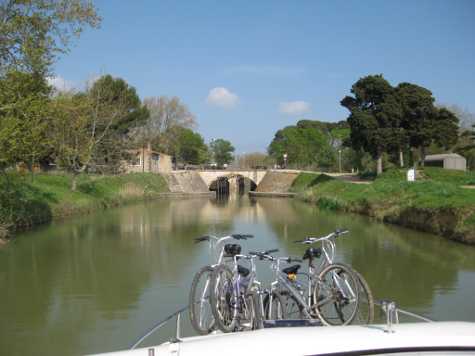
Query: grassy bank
[
  {"x": 435, "y": 203},
  {"x": 28, "y": 200}
]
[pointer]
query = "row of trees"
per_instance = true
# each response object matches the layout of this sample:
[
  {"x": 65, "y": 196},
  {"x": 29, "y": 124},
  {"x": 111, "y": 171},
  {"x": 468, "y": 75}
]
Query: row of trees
[
  {"x": 94, "y": 129},
  {"x": 387, "y": 119},
  {"x": 396, "y": 125},
  {"x": 80, "y": 131},
  {"x": 309, "y": 144}
]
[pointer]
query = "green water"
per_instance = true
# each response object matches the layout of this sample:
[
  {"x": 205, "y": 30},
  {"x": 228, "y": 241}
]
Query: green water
[{"x": 96, "y": 283}]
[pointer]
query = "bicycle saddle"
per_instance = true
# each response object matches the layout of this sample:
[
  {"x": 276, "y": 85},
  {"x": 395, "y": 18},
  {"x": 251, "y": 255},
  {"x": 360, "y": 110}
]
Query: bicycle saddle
[
  {"x": 243, "y": 271},
  {"x": 291, "y": 270}
]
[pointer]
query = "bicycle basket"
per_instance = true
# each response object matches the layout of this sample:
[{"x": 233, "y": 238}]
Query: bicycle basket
[
  {"x": 231, "y": 250},
  {"x": 312, "y": 252}
]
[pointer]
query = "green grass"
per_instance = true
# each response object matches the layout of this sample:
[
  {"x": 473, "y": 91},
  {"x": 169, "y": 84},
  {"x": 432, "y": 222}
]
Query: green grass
[
  {"x": 435, "y": 203},
  {"x": 27, "y": 200},
  {"x": 449, "y": 176},
  {"x": 422, "y": 194},
  {"x": 308, "y": 180}
]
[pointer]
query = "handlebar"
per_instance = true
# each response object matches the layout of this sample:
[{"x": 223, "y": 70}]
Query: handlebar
[
  {"x": 264, "y": 255},
  {"x": 310, "y": 240},
  {"x": 234, "y": 236},
  {"x": 242, "y": 236}
]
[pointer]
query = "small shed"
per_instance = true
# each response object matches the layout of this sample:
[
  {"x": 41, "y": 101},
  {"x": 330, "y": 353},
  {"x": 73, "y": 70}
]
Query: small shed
[
  {"x": 446, "y": 161},
  {"x": 147, "y": 160}
]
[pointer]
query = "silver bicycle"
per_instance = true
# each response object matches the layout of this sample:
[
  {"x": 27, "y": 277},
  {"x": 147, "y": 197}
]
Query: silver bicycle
[
  {"x": 329, "y": 295},
  {"x": 201, "y": 315},
  {"x": 327, "y": 250},
  {"x": 236, "y": 301}
]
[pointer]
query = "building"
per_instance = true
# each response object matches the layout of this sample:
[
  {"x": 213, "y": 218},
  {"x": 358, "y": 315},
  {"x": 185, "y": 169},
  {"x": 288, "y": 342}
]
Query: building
[
  {"x": 147, "y": 160},
  {"x": 447, "y": 161}
]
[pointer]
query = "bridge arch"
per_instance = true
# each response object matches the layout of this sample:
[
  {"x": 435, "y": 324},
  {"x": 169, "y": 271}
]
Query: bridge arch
[
  {"x": 210, "y": 176},
  {"x": 232, "y": 183}
]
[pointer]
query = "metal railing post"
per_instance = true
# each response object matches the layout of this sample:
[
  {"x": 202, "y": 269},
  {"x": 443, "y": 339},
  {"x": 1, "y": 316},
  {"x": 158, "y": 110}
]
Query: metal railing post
[
  {"x": 178, "y": 326},
  {"x": 390, "y": 309}
]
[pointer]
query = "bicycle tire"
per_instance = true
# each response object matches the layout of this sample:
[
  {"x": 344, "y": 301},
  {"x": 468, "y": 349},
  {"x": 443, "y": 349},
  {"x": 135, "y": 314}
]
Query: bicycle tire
[
  {"x": 277, "y": 308},
  {"x": 365, "y": 313},
  {"x": 290, "y": 305},
  {"x": 329, "y": 292},
  {"x": 253, "y": 313},
  {"x": 194, "y": 300},
  {"x": 224, "y": 313}
]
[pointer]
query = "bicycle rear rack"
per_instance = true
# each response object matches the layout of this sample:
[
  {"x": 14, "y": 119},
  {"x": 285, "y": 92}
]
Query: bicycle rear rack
[
  {"x": 161, "y": 324},
  {"x": 392, "y": 314}
]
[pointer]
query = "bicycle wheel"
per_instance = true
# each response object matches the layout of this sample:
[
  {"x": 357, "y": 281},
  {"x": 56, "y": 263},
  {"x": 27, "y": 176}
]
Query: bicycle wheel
[
  {"x": 224, "y": 299},
  {"x": 201, "y": 316},
  {"x": 249, "y": 317},
  {"x": 335, "y": 297},
  {"x": 291, "y": 308},
  {"x": 365, "y": 314},
  {"x": 274, "y": 310}
]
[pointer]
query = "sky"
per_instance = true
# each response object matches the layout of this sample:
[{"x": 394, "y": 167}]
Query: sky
[{"x": 248, "y": 68}]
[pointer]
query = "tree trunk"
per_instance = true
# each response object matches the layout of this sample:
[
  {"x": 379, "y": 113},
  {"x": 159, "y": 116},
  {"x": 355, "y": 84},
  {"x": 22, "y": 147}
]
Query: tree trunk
[
  {"x": 401, "y": 158},
  {"x": 74, "y": 183},
  {"x": 423, "y": 155},
  {"x": 379, "y": 164},
  {"x": 143, "y": 158}
]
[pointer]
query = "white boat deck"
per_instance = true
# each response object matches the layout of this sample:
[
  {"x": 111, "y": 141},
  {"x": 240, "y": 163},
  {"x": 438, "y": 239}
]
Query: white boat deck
[{"x": 454, "y": 338}]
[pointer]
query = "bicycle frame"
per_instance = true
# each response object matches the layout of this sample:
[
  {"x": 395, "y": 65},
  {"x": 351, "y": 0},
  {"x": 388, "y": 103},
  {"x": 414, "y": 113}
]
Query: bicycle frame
[
  {"x": 281, "y": 280},
  {"x": 237, "y": 292}
]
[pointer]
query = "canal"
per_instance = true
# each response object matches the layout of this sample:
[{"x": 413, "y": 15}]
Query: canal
[{"x": 95, "y": 283}]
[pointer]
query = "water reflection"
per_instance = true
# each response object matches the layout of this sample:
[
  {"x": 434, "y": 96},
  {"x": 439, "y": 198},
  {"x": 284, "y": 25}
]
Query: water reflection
[{"x": 94, "y": 283}]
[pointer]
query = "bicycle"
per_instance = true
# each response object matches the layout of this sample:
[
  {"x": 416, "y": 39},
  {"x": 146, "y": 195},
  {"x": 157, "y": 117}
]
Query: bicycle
[
  {"x": 200, "y": 313},
  {"x": 334, "y": 285},
  {"x": 235, "y": 301},
  {"x": 365, "y": 310}
]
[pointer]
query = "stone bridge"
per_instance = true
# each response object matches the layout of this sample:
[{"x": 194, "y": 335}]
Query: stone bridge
[
  {"x": 201, "y": 181},
  {"x": 210, "y": 176}
]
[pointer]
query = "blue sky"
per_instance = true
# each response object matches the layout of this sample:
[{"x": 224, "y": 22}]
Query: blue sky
[{"x": 248, "y": 68}]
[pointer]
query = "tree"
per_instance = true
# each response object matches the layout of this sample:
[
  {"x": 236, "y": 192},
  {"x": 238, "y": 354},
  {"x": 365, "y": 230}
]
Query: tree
[
  {"x": 419, "y": 113},
  {"x": 375, "y": 117},
  {"x": 222, "y": 151},
  {"x": 24, "y": 112},
  {"x": 466, "y": 117},
  {"x": 306, "y": 144},
  {"x": 423, "y": 122},
  {"x": 253, "y": 160},
  {"x": 446, "y": 127},
  {"x": 33, "y": 32},
  {"x": 191, "y": 147},
  {"x": 112, "y": 92},
  {"x": 118, "y": 111},
  {"x": 165, "y": 115},
  {"x": 89, "y": 127}
]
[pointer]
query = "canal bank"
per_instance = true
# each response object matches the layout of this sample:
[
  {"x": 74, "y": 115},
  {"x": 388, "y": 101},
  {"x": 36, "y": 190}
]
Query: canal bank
[
  {"x": 436, "y": 203},
  {"x": 30, "y": 200}
]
